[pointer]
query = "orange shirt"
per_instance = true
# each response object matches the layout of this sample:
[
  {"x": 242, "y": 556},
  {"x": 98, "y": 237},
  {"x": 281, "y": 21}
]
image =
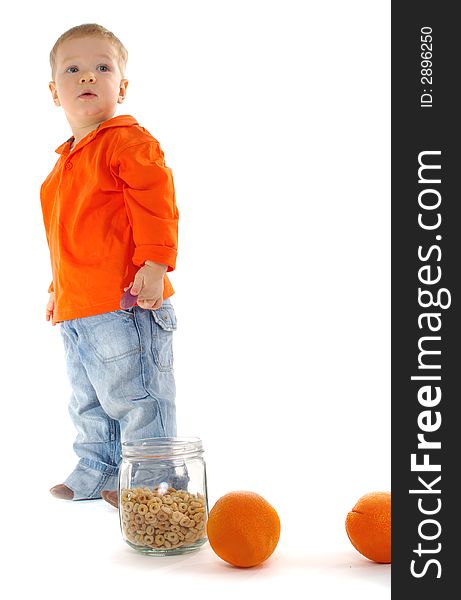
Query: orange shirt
[{"x": 108, "y": 206}]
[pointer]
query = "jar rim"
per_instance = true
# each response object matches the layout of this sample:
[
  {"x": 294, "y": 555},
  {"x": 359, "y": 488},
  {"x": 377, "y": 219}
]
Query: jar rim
[{"x": 161, "y": 447}]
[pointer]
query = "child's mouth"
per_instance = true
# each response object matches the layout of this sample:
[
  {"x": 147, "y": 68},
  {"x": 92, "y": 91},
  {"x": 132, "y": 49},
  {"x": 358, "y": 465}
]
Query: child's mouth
[{"x": 87, "y": 95}]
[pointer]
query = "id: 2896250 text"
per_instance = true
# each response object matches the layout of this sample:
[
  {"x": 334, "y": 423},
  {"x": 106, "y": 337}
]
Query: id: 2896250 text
[{"x": 426, "y": 67}]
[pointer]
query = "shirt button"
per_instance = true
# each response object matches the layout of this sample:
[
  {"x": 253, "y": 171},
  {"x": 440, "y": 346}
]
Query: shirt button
[{"x": 69, "y": 165}]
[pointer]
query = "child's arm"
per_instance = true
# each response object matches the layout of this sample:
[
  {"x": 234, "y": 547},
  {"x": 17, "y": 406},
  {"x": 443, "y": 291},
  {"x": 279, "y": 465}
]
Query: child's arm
[{"x": 149, "y": 196}]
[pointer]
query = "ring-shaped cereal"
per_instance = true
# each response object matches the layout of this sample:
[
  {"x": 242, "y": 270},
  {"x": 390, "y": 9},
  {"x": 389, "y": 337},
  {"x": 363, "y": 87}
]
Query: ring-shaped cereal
[
  {"x": 154, "y": 504},
  {"x": 128, "y": 506},
  {"x": 132, "y": 527},
  {"x": 126, "y": 495},
  {"x": 172, "y": 537},
  {"x": 142, "y": 509},
  {"x": 185, "y": 521},
  {"x": 176, "y": 516}
]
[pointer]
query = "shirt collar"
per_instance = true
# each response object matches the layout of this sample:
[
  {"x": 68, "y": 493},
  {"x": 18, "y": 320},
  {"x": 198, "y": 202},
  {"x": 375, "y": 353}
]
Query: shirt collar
[{"x": 118, "y": 121}]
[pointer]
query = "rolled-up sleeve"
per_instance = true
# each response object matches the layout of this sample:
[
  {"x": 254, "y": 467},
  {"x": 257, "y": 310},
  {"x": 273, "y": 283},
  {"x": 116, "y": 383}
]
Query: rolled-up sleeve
[{"x": 149, "y": 197}]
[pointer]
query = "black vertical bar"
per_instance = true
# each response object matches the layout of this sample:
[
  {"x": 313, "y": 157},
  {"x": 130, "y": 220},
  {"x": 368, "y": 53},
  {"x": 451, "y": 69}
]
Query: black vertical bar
[{"x": 426, "y": 356}]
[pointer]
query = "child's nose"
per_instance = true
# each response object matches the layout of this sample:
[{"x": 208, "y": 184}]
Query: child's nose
[{"x": 87, "y": 78}]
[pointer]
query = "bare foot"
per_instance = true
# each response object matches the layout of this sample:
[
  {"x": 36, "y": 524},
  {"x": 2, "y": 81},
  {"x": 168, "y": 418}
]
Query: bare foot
[
  {"x": 62, "y": 492},
  {"x": 111, "y": 497}
]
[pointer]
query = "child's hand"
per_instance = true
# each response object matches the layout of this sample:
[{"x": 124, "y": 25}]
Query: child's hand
[
  {"x": 50, "y": 308},
  {"x": 148, "y": 285}
]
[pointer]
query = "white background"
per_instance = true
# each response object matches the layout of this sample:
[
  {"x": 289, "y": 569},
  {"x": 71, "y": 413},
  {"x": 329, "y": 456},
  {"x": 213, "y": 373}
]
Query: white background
[{"x": 275, "y": 119}]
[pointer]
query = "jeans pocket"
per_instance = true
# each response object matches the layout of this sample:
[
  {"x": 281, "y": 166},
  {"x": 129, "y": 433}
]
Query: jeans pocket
[
  {"x": 113, "y": 335},
  {"x": 163, "y": 324}
]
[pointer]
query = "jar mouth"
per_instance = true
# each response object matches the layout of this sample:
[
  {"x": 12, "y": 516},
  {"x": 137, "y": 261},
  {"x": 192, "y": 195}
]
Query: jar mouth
[{"x": 162, "y": 447}]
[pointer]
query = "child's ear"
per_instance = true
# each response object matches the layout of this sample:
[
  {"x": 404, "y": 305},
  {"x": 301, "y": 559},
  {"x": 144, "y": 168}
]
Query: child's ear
[
  {"x": 122, "y": 90},
  {"x": 54, "y": 93}
]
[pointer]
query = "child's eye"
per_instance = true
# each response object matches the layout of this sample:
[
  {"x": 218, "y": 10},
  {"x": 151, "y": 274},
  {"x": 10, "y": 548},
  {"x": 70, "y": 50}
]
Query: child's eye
[
  {"x": 103, "y": 67},
  {"x": 70, "y": 69}
]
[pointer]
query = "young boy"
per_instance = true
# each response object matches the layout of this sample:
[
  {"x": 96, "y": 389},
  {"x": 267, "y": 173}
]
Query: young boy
[{"x": 111, "y": 221}]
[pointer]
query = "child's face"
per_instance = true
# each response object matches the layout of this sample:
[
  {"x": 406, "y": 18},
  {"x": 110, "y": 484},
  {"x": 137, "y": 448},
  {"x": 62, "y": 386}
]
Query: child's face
[{"x": 87, "y": 64}]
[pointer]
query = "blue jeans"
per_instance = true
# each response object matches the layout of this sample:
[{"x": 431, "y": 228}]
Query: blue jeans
[{"x": 120, "y": 366}]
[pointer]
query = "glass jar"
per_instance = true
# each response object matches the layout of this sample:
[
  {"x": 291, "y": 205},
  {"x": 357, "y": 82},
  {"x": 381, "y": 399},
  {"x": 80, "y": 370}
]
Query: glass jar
[{"x": 163, "y": 505}]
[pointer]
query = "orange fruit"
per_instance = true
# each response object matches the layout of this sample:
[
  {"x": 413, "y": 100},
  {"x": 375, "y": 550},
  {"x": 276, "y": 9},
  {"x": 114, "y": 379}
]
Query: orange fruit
[
  {"x": 243, "y": 529},
  {"x": 368, "y": 526}
]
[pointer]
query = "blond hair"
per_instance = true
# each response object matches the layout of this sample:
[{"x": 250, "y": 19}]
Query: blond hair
[{"x": 91, "y": 29}]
